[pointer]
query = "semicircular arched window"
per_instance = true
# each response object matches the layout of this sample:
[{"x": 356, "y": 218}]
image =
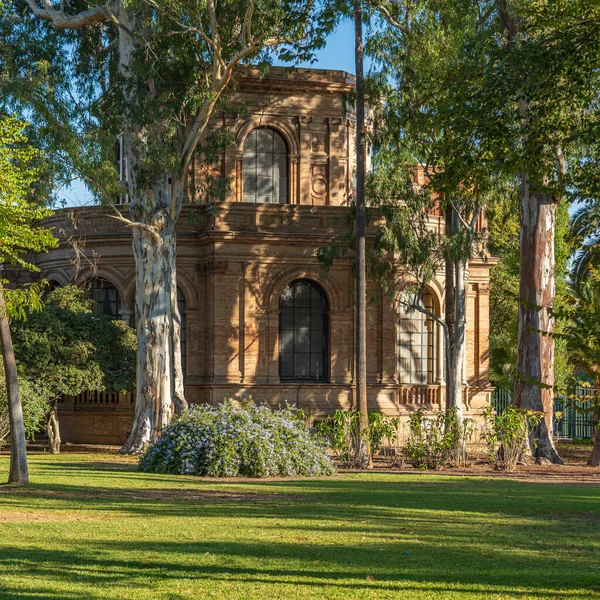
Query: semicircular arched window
[
  {"x": 303, "y": 333},
  {"x": 265, "y": 167},
  {"x": 106, "y": 298}
]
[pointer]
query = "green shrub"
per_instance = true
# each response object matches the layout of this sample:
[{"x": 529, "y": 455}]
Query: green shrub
[
  {"x": 238, "y": 439},
  {"x": 506, "y": 435},
  {"x": 437, "y": 441},
  {"x": 341, "y": 428},
  {"x": 35, "y": 407}
]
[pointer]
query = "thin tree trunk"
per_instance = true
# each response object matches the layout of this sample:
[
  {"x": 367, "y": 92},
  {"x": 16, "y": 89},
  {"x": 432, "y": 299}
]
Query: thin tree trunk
[
  {"x": 363, "y": 454},
  {"x": 449, "y": 311},
  {"x": 595, "y": 457},
  {"x": 159, "y": 380},
  {"x": 18, "y": 472},
  {"x": 53, "y": 428},
  {"x": 534, "y": 383}
]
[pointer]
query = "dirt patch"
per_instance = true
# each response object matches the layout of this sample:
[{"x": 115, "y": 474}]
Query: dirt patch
[
  {"x": 20, "y": 516},
  {"x": 574, "y": 471}
]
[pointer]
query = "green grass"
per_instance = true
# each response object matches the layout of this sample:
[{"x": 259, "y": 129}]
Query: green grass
[{"x": 90, "y": 527}]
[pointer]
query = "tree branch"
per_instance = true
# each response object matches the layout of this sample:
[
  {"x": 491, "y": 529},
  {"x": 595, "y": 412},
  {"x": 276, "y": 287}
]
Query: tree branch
[{"x": 61, "y": 20}]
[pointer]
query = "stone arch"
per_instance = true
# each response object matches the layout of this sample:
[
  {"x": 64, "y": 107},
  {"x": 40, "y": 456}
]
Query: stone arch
[
  {"x": 109, "y": 274},
  {"x": 283, "y": 279},
  {"x": 286, "y": 130},
  {"x": 59, "y": 277}
]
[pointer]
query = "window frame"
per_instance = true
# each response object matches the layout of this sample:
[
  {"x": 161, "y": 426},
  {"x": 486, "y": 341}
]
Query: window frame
[
  {"x": 325, "y": 352},
  {"x": 425, "y": 338},
  {"x": 274, "y": 161}
]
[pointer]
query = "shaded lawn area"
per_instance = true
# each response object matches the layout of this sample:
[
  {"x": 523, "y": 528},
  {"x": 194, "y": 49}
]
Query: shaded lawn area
[{"x": 91, "y": 527}]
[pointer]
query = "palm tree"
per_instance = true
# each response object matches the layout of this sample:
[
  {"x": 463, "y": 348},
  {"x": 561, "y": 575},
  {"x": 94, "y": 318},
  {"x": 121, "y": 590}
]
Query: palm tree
[
  {"x": 583, "y": 341},
  {"x": 585, "y": 229}
]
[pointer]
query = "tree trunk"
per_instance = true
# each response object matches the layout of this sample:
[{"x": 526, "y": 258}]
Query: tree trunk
[
  {"x": 363, "y": 454},
  {"x": 18, "y": 472},
  {"x": 456, "y": 373},
  {"x": 53, "y": 428},
  {"x": 449, "y": 311},
  {"x": 595, "y": 457},
  {"x": 534, "y": 382},
  {"x": 159, "y": 380}
]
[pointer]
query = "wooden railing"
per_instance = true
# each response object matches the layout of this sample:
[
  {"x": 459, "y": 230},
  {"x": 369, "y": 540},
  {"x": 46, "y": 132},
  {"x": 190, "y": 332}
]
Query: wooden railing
[{"x": 420, "y": 394}]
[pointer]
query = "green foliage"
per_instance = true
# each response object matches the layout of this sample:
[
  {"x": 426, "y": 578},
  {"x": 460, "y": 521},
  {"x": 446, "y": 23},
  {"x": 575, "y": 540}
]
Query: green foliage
[
  {"x": 34, "y": 403},
  {"x": 237, "y": 439},
  {"x": 434, "y": 441},
  {"x": 341, "y": 430},
  {"x": 19, "y": 210},
  {"x": 67, "y": 350},
  {"x": 506, "y": 435}
]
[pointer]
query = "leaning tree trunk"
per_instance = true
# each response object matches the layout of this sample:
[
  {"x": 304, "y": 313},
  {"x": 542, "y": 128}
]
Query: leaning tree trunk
[
  {"x": 363, "y": 453},
  {"x": 53, "y": 428},
  {"x": 534, "y": 382},
  {"x": 18, "y": 472},
  {"x": 159, "y": 378}
]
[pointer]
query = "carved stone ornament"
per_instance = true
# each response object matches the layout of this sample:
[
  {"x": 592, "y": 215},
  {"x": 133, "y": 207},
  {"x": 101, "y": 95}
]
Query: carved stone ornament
[{"x": 318, "y": 143}]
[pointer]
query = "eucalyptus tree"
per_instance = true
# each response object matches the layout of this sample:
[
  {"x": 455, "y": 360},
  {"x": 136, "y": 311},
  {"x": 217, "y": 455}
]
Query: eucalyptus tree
[
  {"x": 19, "y": 169},
  {"x": 151, "y": 73},
  {"x": 417, "y": 50}
]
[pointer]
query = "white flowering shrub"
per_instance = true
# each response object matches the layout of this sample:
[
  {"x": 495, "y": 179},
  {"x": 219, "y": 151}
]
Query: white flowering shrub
[{"x": 238, "y": 439}]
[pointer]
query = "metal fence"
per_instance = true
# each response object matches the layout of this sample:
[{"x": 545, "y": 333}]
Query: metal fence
[{"x": 573, "y": 414}]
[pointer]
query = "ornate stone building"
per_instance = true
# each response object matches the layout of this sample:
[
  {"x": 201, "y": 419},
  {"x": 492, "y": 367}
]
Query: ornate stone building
[{"x": 259, "y": 318}]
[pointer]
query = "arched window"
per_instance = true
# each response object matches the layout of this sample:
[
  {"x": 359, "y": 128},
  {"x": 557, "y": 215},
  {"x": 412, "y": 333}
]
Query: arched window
[
  {"x": 417, "y": 344},
  {"x": 106, "y": 298},
  {"x": 303, "y": 333},
  {"x": 265, "y": 167}
]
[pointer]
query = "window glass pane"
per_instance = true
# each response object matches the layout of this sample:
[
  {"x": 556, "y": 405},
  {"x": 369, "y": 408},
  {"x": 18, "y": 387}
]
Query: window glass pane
[
  {"x": 302, "y": 295},
  {"x": 302, "y": 366},
  {"x": 249, "y": 185},
  {"x": 264, "y": 199},
  {"x": 264, "y": 140},
  {"x": 265, "y": 186},
  {"x": 249, "y": 198},
  {"x": 301, "y": 339}
]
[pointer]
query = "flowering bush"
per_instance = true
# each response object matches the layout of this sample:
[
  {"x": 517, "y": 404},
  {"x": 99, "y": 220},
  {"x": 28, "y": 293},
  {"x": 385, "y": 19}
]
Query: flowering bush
[{"x": 237, "y": 439}]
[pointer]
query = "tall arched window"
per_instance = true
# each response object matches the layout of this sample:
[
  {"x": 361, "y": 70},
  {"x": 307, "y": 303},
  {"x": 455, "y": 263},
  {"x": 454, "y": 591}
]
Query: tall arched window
[
  {"x": 417, "y": 344},
  {"x": 303, "y": 332},
  {"x": 106, "y": 298},
  {"x": 265, "y": 167}
]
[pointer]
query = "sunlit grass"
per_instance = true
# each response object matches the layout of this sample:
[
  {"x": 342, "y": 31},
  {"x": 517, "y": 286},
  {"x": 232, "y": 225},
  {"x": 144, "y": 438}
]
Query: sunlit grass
[{"x": 92, "y": 527}]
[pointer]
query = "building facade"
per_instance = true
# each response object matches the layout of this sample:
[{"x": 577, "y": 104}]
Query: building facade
[{"x": 259, "y": 316}]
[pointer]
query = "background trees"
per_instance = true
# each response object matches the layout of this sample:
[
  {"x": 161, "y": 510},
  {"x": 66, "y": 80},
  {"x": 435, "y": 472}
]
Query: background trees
[{"x": 19, "y": 169}]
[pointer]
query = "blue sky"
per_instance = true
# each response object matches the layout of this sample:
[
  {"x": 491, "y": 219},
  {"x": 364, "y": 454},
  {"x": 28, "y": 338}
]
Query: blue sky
[{"x": 337, "y": 54}]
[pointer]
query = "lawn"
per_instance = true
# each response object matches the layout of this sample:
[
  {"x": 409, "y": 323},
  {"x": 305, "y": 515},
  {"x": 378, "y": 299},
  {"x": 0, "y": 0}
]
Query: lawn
[{"x": 91, "y": 527}]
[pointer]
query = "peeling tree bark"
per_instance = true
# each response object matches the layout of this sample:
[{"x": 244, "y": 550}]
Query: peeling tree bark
[
  {"x": 18, "y": 472},
  {"x": 534, "y": 383},
  {"x": 159, "y": 380}
]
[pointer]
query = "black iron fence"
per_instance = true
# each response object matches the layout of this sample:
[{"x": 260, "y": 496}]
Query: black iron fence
[{"x": 573, "y": 413}]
